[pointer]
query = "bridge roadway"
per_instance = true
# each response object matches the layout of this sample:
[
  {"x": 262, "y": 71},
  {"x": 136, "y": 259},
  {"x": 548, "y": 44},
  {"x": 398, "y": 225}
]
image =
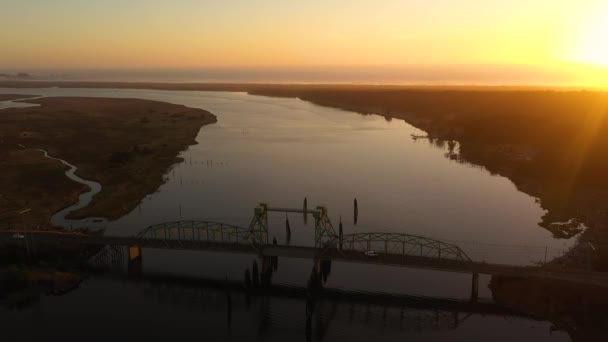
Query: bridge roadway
[{"x": 545, "y": 272}]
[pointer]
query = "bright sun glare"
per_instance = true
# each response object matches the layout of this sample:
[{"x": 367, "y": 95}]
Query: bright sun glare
[{"x": 592, "y": 45}]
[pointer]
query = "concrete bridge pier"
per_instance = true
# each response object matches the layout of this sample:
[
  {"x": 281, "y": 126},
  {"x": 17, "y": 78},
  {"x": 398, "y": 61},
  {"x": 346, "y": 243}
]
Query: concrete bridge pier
[
  {"x": 475, "y": 288},
  {"x": 134, "y": 261}
]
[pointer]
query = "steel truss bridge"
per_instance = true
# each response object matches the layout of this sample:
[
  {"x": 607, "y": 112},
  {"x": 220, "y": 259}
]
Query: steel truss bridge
[
  {"x": 327, "y": 240},
  {"x": 393, "y": 249}
]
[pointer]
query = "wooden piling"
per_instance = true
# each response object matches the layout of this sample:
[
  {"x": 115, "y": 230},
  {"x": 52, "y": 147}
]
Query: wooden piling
[
  {"x": 305, "y": 210},
  {"x": 341, "y": 232},
  {"x": 356, "y": 210},
  {"x": 287, "y": 230},
  {"x": 475, "y": 288}
]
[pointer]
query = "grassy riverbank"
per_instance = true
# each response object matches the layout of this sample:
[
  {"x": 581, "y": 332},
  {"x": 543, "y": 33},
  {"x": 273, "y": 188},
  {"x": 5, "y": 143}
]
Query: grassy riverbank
[{"x": 127, "y": 145}]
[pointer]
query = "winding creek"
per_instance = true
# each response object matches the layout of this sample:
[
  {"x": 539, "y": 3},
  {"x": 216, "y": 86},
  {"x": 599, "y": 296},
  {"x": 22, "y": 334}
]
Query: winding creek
[
  {"x": 60, "y": 217},
  {"x": 282, "y": 150}
]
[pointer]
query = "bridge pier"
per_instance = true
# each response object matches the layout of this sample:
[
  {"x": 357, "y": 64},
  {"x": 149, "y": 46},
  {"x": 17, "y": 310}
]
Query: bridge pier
[
  {"x": 475, "y": 288},
  {"x": 134, "y": 261}
]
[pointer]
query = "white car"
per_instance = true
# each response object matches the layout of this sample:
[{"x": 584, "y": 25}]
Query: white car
[
  {"x": 18, "y": 236},
  {"x": 371, "y": 254}
]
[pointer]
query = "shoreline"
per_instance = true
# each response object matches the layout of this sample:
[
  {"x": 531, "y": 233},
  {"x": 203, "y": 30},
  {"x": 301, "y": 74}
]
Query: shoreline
[{"x": 110, "y": 150}]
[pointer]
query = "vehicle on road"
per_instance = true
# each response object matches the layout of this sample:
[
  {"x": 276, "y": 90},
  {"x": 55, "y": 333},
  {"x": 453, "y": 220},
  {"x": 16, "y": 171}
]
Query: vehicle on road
[
  {"x": 371, "y": 253},
  {"x": 18, "y": 236}
]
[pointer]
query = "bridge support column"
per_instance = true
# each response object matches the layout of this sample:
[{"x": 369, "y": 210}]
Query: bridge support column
[
  {"x": 475, "y": 287},
  {"x": 135, "y": 261}
]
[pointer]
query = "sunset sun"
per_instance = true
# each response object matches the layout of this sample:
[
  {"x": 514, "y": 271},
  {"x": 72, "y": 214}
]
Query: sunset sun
[{"x": 591, "y": 46}]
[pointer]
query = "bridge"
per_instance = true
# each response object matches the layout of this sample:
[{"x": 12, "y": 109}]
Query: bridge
[{"x": 393, "y": 249}]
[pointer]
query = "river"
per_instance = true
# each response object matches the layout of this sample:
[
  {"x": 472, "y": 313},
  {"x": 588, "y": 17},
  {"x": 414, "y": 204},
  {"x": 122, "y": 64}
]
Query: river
[{"x": 280, "y": 151}]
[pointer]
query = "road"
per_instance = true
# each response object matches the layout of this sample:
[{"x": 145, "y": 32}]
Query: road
[{"x": 546, "y": 272}]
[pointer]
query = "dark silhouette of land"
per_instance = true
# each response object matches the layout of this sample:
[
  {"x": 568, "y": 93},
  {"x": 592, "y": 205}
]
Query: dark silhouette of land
[{"x": 126, "y": 145}]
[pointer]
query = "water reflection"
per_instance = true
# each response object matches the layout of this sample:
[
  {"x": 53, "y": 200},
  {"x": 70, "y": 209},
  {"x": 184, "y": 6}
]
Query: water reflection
[
  {"x": 226, "y": 310},
  {"x": 561, "y": 221},
  {"x": 255, "y": 305}
]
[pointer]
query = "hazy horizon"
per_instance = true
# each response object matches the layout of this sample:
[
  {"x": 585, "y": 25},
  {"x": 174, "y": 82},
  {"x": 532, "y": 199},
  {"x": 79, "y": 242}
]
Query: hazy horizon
[
  {"x": 441, "y": 42},
  {"x": 492, "y": 75}
]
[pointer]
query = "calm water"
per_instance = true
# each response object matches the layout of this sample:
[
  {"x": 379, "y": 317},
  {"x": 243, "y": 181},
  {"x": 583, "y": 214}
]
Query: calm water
[
  {"x": 282, "y": 150},
  {"x": 152, "y": 310}
]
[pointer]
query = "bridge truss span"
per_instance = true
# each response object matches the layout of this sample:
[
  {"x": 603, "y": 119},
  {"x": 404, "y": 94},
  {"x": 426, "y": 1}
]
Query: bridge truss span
[
  {"x": 403, "y": 245},
  {"x": 198, "y": 231}
]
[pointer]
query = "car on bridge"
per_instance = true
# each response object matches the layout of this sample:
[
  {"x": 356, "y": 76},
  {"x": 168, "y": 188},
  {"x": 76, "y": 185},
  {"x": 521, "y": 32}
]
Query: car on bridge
[{"x": 371, "y": 254}]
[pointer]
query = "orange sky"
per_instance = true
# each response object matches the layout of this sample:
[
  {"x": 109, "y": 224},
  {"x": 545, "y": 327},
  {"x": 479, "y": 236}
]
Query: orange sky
[{"x": 195, "y": 33}]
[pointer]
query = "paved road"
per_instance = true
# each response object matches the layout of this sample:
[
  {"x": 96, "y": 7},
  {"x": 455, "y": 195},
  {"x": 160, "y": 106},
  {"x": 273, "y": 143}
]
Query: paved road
[{"x": 569, "y": 275}]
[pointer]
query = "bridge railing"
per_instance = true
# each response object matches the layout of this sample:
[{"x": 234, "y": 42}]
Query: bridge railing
[
  {"x": 200, "y": 231},
  {"x": 403, "y": 245}
]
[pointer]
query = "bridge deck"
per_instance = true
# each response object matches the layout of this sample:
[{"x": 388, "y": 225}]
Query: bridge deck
[{"x": 570, "y": 275}]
